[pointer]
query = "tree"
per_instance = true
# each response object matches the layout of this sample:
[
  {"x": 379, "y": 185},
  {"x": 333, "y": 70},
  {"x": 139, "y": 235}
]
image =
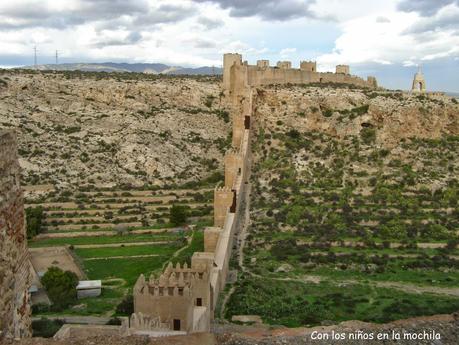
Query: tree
[
  {"x": 126, "y": 306},
  {"x": 34, "y": 217},
  {"x": 178, "y": 215},
  {"x": 121, "y": 229},
  {"x": 60, "y": 286}
]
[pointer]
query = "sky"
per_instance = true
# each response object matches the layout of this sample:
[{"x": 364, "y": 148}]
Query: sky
[{"x": 385, "y": 38}]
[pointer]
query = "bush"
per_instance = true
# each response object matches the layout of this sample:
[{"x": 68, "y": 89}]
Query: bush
[
  {"x": 61, "y": 287},
  {"x": 34, "y": 218},
  {"x": 114, "y": 321},
  {"x": 126, "y": 306},
  {"x": 327, "y": 112},
  {"x": 368, "y": 135},
  {"x": 46, "y": 328},
  {"x": 178, "y": 215},
  {"x": 40, "y": 308}
]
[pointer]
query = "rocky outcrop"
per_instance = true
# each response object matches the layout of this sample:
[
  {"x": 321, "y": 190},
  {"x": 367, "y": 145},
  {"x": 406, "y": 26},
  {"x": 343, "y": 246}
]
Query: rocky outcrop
[{"x": 343, "y": 112}]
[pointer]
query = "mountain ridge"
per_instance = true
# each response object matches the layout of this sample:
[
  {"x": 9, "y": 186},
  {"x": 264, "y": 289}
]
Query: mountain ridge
[{"x": 148, "y": 68}]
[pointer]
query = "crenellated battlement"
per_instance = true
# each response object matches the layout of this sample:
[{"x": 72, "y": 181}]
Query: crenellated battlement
[{"x": 238, "y": 77}]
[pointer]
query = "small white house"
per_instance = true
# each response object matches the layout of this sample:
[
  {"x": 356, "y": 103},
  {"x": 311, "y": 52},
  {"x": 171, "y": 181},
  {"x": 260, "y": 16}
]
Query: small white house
[{"x": 89, "y": 288}]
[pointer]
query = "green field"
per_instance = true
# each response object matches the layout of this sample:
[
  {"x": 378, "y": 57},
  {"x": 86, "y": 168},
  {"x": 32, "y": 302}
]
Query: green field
[
  {"x": 95, "y": 240},
  {"x": 159, "y": 250}
]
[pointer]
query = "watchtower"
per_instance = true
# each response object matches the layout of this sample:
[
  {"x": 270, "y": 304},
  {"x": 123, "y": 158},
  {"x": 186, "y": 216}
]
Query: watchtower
[
  {"x": 228, "y": 61},
  {"x": 419, "y": 82},
  {"x": 309, "y": 66},
  {"x": 263, "y": 63},
  {"x": 343, "y": 69},
  {"x": 284, "y": 64}
]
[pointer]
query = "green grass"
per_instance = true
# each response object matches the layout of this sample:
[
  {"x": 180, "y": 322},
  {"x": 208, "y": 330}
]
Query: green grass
[
  {"x": 128, "y": 269},
  {"x": 162, "y": 250},
  {"x": 421, "y": 277},
  {"x": 295, "y": 304},
  {"x": 50, "y": 242},
  {"x": 196, "y": 245},
  {"x": 98, "y": 306}
]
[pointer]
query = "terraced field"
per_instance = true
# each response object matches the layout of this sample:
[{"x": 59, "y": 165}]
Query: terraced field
[
  {"x": 117, "y": 235},
  {"x": 373, "y": 229}
]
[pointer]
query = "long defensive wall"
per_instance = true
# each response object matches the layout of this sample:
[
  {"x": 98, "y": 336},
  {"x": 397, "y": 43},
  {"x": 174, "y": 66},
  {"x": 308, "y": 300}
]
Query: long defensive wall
[{"x": 183, "y": 299}]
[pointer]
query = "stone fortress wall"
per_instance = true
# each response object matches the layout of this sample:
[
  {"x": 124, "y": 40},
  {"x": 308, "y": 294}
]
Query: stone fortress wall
[
  {"x": 183, "y": 299},
  {"x": 14, "y": 258},
  {"x": 238, "y": 74}
]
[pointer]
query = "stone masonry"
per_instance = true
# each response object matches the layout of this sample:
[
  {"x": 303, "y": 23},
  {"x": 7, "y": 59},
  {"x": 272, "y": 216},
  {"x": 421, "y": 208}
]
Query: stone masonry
[
  {"x": 183, "y": 299},
  {"x": 14, "y": 257},
  {"x": 238, "y": 75}
]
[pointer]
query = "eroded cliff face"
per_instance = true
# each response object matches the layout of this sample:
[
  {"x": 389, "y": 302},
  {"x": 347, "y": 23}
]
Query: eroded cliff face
[
  {"x": 76, "y": 129},
  {"x": 343, "y": 112}
]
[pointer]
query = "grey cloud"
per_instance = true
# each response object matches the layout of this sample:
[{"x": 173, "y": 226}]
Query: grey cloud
[
  {"x": 266, "y": 9},
  {"x": 131, "y": 38},
  {"x": 204, "y": 44},
  {"x": 382, "y": 20},
  {"x": 443, "y": 21},
  {"x": 424, "y": 7},
  {"x": 210, "y": 23},
  {"x": 112, "y": 13},
  {"x": 165, "y": 14}
]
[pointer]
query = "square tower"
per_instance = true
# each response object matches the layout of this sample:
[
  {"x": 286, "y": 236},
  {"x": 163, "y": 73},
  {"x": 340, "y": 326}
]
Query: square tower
[{"x": 309, "y": 66}]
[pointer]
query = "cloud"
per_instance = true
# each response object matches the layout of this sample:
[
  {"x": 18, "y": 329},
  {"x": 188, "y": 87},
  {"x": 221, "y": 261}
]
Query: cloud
[
  {"x": 382, "y": 20},
  {"x": 61, "y": 15},
  {"x": 117, "y": 39},
  {"x": 210, "y": 23},
  {"x": 286, "y": 52},
  {"x": 445, "y": 19},
  {"x": 201, "y": 43},
  {"x": 397, "y": 43},
  {"x": 424, "y": 7},
  {"x": 280, "y": 10}
]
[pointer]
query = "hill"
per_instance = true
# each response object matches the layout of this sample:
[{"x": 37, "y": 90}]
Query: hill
[{"x": 150, "y": 68}]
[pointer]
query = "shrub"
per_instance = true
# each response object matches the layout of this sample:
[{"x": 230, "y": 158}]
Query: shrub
[
  {"x": 126, "y": 306},
  {"x": 61, "y": 287},
  {"x": 327, "y": 112},
  {"x": 46, "y": 328},
  {"x": 114, "y": 321},
  {"x": 178, "y": 215},
  {"x": 368, "y": 135},
  {"x": 34, "y": 217}
]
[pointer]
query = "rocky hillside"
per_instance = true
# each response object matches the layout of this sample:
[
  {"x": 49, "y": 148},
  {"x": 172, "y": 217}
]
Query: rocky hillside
[
  {"x": 130, "y": 129},
  {"x": 342, "y": 112},
  {"x": 356, "y": 189}
]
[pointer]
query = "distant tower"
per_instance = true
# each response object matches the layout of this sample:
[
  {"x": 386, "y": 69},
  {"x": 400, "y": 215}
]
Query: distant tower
[
  {"x": 419, "y": 83},
  {"x": 57, "y": 57}
]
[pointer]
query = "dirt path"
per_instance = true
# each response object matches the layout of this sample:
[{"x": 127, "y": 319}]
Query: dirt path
[
  {"x": 121, "y": 257},
  {"x": 70, "y": 234},
  {"x": 189, "y": 240},
  {"x": 117, "y": 245}
]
